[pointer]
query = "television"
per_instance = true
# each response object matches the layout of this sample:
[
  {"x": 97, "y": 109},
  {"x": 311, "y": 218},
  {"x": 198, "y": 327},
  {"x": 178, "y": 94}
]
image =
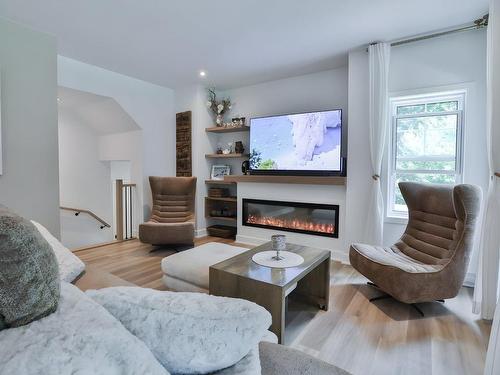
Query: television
[{"x": 308, "y": 143}]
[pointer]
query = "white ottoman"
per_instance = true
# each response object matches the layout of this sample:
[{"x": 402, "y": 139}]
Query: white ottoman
[{"x": 187, "y": 271}]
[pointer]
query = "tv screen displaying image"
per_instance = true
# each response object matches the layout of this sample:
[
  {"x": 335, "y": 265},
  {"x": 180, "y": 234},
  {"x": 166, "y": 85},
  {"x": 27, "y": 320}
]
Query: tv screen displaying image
[{"x": 303, "y": 143}]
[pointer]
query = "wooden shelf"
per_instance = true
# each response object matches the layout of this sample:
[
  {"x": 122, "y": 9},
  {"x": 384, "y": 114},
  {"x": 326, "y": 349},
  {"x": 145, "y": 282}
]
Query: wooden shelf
[
  {"x": 225, "y": 218},
  {"x": 311, "y": 180},
  {"x": 220, "y": 129},
  {"x": 227, "y": 155},
  {"x": 222, "y": 199},
  {"x": 219, "y": 182}
]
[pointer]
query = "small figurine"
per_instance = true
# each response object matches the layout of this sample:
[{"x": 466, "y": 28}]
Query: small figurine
[{"x": 238, "y": 147}]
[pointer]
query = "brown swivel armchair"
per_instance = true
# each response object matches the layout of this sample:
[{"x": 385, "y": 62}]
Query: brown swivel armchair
[
  {"x": 430, "y": 260},
  {"x": 172, "y": 216}
]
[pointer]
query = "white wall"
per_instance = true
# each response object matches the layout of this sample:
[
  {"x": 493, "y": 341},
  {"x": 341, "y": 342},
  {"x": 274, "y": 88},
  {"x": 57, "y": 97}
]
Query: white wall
[
  {"x": 85, "y": 182},
  {"x": 358, "y": 155},
  {"x": 453, "y": 61},
  {"x": 319, "y": 91},
  {"x": 151, "y": 106},
  {"x": 193, "y": 98},
  {"x": 28, "y": 67}
]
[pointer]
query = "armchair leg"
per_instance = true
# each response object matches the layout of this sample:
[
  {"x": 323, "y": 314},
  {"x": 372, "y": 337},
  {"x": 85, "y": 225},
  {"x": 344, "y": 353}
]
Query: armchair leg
[
  {"x": 386, "y": 296},
  {"x": 418, "y": 309},
  {"x": 379, "y": 298}
]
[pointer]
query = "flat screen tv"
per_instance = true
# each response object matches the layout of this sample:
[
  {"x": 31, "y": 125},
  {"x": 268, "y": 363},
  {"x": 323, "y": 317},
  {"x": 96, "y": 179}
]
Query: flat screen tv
[{"x": 297, "y": 144}]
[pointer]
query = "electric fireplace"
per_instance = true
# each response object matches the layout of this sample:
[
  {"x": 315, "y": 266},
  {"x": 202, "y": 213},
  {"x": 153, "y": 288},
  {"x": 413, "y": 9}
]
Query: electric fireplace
[{"x": 309, "y": 218}]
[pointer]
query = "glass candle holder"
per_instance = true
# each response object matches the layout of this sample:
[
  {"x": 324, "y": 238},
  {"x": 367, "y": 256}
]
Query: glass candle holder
[{"x": 278, "y": 244}]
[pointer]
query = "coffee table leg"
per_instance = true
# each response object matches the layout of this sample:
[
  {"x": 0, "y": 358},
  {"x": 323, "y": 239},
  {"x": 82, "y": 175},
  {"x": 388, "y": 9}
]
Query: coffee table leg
[
  {"x": 315, "y": 286},
  {"x": 275, "y": 303}
]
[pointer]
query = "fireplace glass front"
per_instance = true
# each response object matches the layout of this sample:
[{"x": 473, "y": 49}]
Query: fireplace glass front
[{"x": 309, "y": 218}]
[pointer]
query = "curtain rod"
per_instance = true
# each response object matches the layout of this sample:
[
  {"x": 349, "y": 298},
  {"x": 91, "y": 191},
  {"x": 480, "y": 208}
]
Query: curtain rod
[{"x": 478, "y": 24}]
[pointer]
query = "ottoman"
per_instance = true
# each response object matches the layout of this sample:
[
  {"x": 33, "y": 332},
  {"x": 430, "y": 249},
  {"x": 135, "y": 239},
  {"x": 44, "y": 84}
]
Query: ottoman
[{"x": 187, "y": 271}]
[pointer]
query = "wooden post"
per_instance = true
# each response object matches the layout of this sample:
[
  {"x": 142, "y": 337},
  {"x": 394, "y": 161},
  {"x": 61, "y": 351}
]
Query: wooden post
[{"x": 119, "y": 210}]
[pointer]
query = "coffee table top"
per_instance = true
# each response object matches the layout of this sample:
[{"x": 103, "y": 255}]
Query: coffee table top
[{"x": 243, "y": 265}]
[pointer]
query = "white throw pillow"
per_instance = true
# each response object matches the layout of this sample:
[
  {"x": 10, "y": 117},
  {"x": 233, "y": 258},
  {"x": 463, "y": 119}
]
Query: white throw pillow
[
  {"x": 81, "y": 337},
  {"x": 188, "y": 332},
  {"x": 70, "y": 266}
]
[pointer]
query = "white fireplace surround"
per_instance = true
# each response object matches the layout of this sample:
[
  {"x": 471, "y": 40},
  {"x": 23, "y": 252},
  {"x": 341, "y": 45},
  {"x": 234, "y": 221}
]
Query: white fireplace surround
[{"x": 323, "y": 194}]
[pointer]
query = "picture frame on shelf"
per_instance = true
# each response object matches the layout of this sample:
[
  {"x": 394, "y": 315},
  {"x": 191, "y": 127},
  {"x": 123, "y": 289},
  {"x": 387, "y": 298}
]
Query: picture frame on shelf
[{"x": 219, "y": 171}]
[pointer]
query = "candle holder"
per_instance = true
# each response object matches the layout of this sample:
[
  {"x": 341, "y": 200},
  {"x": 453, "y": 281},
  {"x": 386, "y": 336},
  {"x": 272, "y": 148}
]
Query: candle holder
[{"x": 278, "y": 244}]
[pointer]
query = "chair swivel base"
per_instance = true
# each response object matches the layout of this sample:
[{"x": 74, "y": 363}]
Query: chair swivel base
[{"x": 386, "y": 296}]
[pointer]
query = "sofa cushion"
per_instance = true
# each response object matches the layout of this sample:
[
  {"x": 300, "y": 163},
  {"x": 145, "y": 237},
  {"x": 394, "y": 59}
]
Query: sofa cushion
[
  {"x": 188, "y": 332},
  {"x": 29, "y": 276},
  {"x": 81, "y": 337},
  {"x": 70, "y": 266},
  {"x": 193, "y": 265}
]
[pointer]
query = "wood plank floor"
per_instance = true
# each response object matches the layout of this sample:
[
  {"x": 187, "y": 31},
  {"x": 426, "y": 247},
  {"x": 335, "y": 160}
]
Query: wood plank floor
[{"x": 384, "y": 337}]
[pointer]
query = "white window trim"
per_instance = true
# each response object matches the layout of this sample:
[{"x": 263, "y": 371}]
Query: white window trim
[{"x": 428, "y": 95}]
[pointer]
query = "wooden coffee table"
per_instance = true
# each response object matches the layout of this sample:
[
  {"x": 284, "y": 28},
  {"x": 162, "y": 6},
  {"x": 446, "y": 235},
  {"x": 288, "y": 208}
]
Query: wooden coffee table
[{"x": 240, "y": 277}]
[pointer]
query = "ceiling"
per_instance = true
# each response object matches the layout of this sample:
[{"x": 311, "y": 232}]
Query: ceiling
[
  {"x": 101, "y": 113},
  {"x": 237, "y": 42}
]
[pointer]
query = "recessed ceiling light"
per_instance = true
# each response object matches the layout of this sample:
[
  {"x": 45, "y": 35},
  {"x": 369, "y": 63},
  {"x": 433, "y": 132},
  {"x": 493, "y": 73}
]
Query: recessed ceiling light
[{"x": 202, "y": 73}]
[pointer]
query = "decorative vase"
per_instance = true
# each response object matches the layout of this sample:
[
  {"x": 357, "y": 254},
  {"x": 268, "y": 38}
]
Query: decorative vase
[
  {"x": 245, "y": 166},
  {"x": 219, "y": 120}
]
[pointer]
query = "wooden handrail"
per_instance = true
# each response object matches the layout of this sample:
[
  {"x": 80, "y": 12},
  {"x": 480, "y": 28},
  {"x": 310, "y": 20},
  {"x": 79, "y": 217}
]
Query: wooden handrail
[
  {"x": 77, "y": 211},
  {"x": 497, "y": 174}
]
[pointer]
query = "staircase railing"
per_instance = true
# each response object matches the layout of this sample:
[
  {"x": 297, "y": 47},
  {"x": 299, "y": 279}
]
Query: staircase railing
[
  {"x": 78, "y": 211},
  {"x": 124, "y": 210}
]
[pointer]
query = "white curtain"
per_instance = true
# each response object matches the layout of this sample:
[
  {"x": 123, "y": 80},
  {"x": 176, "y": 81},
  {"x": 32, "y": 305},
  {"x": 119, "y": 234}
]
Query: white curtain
[
  {"x": 486, "y": 289},
  {"x": 379, "y": 57}
]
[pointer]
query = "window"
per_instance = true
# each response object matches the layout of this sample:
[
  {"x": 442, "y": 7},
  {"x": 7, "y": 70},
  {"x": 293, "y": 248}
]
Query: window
[{"x": 426, "y": 143}]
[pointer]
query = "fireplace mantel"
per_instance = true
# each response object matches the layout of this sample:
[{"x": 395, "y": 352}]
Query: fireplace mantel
[{"x": 312, "y": 180}]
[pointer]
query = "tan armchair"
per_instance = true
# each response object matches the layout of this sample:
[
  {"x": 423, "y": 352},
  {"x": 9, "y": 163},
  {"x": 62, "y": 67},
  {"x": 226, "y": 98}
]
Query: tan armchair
[
  {"x": 172, "y": 218},
  {"x": 430, "y": 260}
]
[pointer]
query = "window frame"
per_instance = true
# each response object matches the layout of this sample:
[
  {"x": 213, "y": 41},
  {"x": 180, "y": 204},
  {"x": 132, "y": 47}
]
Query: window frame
[{"x": 396, "y": 101}]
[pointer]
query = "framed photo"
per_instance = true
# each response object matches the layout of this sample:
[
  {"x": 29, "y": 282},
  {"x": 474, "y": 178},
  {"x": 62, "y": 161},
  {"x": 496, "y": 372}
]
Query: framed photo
[{"x": 219, "y": 171}]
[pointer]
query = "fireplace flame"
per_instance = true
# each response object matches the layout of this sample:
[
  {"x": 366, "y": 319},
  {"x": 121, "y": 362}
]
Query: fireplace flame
[{"x": 294, "y": 223}]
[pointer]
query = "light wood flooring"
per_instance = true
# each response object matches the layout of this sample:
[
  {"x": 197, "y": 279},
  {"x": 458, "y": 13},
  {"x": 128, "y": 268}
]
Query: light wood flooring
[{"x": 384, "y": 337}]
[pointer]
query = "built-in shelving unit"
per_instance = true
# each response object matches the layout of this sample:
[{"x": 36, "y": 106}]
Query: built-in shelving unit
[
  {"x": 219, "y": 129},
  {"x": 223, "y": 204},
  {"x": 233, "y": 155}
]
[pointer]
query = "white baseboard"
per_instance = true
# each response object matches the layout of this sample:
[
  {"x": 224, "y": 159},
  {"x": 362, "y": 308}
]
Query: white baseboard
[
  {"x": 200, "y": 233},
  {"x": 470, "y": 279},
  {"x": 337, "y": 255}
]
